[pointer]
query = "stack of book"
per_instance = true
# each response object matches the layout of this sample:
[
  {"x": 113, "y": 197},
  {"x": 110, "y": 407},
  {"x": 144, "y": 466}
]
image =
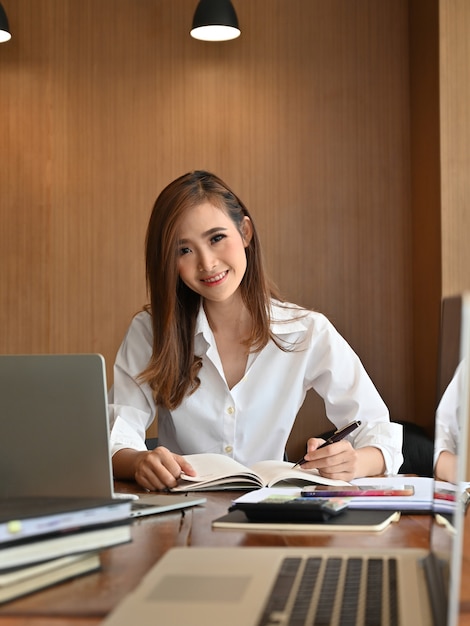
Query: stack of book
[{"x": 44, "y": 541}]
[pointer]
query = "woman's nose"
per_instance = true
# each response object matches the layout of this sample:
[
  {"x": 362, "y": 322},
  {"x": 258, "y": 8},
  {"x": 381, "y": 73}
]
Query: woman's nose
[{"x": 207, "y": 261}]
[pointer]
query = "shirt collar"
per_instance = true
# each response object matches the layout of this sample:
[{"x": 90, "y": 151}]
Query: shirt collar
[
  {"x": 286, "y": 319},
  {"x": 203, "y": 336}
]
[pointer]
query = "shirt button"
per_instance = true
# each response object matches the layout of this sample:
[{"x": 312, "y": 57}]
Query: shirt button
[
  {"x": 230, "y": 410},
  {"x": 228, "y": 449}
]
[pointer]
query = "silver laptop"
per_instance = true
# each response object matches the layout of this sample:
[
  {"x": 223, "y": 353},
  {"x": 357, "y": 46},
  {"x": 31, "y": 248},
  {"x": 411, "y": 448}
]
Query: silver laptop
[
  {"x": 278, "y": 585},
  {"x": 54, "y": 433}
]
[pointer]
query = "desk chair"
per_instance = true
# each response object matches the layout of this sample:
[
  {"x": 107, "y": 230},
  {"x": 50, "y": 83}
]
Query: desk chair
[
  {"x": 151, "y": 443},
  {"x": 418, "y": 450}
]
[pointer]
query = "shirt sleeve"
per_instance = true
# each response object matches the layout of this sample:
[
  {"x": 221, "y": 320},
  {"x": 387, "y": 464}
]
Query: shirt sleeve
[
  {"x": 337, "y": 374},
  {"x": 447, "y": 416},
  {"x": 131, "y": 405}
]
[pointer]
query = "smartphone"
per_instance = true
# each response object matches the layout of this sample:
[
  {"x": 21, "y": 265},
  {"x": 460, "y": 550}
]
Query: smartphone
[{"x": 326, "y": 491}]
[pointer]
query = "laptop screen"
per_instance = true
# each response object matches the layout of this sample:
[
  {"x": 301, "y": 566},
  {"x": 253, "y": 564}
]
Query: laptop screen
[
  {"x": 54, "y": 426},
  {"x": 451, "y": 438}
]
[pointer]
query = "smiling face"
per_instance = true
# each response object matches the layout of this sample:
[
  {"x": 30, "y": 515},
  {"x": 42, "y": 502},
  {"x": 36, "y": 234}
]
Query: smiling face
[{"x": 211, "y": 252}]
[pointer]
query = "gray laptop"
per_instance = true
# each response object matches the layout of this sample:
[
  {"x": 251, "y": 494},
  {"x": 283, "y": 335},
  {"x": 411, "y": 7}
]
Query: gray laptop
[
  {"x": 251, "y": 586},
  {"x": 54, "y": 433}
]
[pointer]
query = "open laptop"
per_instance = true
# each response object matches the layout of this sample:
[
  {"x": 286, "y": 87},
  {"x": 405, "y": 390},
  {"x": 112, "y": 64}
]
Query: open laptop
[
  {"x": 54, "y": 432},
  {"x": 261, "y": 586}
]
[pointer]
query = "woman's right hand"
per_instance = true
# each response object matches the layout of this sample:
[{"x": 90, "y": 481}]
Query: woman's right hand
[
  {"x": 160, "y": 469},
  {"x": 155, "y": 470}
]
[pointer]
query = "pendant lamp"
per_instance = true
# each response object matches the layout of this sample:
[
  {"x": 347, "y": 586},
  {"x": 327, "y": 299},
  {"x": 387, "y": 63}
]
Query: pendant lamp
[
  {"x": 215, "y": 20},
  {"x": 5, "y": 34}
]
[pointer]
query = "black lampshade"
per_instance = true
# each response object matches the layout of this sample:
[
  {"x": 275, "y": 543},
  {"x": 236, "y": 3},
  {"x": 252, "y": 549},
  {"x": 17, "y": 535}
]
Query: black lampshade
[
  {"x": 5, "y": 34},
  {"x": 215, "y": 20}
]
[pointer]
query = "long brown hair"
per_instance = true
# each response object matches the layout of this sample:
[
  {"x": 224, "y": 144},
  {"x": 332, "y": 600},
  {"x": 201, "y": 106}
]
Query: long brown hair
[{"x": 173, "y": 368}]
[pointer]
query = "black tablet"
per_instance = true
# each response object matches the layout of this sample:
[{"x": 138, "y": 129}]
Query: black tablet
[{"x": 292, "y": 509}]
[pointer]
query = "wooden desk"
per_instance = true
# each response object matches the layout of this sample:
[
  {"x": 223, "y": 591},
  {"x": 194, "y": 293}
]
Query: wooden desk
[{"x": 86, "y": 600}]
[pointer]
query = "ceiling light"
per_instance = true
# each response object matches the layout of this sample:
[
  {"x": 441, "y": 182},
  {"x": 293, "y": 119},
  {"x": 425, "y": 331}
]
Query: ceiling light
[
  {"x": 5, "y": 34},
  {"x": 215, "y": 20}
]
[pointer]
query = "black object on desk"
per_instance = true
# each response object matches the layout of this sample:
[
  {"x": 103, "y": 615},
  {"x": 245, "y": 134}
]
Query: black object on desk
[
  {"x": 351, "y": 520},
  {"x": 291, "y": 510}
]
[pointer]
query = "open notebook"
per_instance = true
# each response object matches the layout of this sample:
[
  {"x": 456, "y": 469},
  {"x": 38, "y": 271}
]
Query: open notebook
[
  {"x": 54, "y": 432},
  {"x": 260, "y": 586}
]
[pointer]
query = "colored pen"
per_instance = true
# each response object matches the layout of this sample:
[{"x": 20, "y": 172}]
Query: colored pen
[{"x": 336, "y": 436}]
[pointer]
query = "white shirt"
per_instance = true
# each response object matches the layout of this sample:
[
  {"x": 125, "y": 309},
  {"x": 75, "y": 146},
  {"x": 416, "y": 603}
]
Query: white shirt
[
  {"x": 448, "y": 415},
  {"x": 252, "y": 421}
]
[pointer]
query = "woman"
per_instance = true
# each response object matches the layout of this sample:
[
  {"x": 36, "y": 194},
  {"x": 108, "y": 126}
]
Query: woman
[{"x": 224, "y": 361}]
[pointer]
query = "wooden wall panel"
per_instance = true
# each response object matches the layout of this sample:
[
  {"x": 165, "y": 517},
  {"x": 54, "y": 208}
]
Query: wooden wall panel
[
  {"x": 454, "y": 19},
  {"x": 306, "y": 115},
  {"x": 426, "y": 204}
]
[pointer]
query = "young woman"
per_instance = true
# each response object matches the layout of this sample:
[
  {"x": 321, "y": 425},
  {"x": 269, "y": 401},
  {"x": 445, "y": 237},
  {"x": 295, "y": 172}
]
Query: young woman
[{"x": 224, "y": 362}]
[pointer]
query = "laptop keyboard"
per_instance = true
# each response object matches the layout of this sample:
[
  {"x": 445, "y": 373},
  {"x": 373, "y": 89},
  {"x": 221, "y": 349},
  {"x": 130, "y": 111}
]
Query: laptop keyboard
[{"x": 333, "y": 592}]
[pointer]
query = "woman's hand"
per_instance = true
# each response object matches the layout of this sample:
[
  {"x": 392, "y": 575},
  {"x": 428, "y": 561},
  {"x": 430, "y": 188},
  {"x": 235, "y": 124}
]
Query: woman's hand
[
  {"x": 340, "y": 461},
  {"x": 155, "y": 470},
  {"x": 337, "y": 460}
]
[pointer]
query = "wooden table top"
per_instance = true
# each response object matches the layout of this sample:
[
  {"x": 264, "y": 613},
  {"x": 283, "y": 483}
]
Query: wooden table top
[{"x": 85, "y": 601}]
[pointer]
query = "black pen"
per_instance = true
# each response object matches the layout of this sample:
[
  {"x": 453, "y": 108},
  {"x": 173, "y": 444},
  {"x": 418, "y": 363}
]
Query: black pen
[{"x": 336, "y": 436}]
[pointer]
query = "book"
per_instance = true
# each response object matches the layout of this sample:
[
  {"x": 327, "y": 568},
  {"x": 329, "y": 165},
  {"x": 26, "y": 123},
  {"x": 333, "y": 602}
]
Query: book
[
  {"x": 217, "y": 472},
  {"x": 63, "y": 543},
  {"x": 22, "y": 581},
  {"x": 355, "y": 491},
  {"x": 29, "y": 516},
  {"x": 364, "y": 521},
  {"x": 419, "y": 501},
  {"x": 446, "y": 496}
]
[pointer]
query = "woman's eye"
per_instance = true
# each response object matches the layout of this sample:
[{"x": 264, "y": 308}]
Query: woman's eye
[
  {"x": 183, "y": 251},
  {"x": 217, "y": 238}
]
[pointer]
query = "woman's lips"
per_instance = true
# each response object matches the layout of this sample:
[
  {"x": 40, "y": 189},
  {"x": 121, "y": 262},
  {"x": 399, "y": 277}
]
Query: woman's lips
[{"x": 214, "y": 280}]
